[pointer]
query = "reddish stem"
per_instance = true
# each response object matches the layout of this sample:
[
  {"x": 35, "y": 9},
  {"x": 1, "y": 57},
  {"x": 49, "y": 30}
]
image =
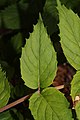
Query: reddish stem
[{"x": 14, "y": 103}]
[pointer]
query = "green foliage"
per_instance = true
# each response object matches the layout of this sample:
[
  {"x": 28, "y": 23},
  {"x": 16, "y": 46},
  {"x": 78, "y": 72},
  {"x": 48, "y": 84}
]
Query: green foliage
[
  {"x": 11, "y": 17},
  {"x": 7, "y": 2},
  {"x": 70, "y": 35},
  {"x": 16, "y": 42},
  {"x": 16, "y": 114},
  {"x": 69, "y": 26},
  {"x": 38, "y": 60},
  {"x": 77, "y": 108},
  {"x": 13, "y": 114},
  {"x": 75, "y": 85},
  {"x": 50, "y": 104},
  {"x": 4, "y": 89},
  {"x": 6, "y": 116},
  {"x": 50, "y": 16}
]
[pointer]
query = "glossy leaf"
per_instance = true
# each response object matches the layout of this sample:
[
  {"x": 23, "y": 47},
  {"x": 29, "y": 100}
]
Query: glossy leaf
[
  {"x": 75, "y": 85},
  {"x": 69, "y": 26},
  {"x": 11, "y": 17},
  {"x": 49, "y": 105},
  {"x": 38, "y": 60},
  {"x": 4, "y": 89},
  {"x": 6, "y": 116}
]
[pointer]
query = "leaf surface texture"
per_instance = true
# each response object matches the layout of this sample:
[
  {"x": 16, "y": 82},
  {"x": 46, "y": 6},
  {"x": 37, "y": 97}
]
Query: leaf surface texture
[
  {"x": 69, "y": 26},
  {"x": 49, "y": 105},
  {"x": 38, "y": 60}
]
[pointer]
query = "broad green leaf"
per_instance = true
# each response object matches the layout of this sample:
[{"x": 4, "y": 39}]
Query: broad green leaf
[
  {"x": 50, "y": 105},
  {"x": 69, "y": 26},
  {"x": 16, "y": 42},
  {"x": 11, "y": 17},
  {"x": 4, "y": 89},
  {"x": 75, "y": 85},
  {"x": 50, "y": 16},
  {"x": 77, "y": 108},
  {"x": 38, "y": 60},
  {"x": 6, "y": 116}
]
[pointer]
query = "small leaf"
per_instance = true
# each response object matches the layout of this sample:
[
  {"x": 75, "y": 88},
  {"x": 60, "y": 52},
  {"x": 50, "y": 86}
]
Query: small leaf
[
  {"x": 11, "y": 17},
  {"x": 75, "y": 85},
  {"x": 38, "y": 60},
  {"x": 6, "y": 116},
  {"x": 49, "y": 105},
  {"x": 4, "y": 89},
  {"x": 69, "y": 26},
  {"x": 16, "y": 42}
]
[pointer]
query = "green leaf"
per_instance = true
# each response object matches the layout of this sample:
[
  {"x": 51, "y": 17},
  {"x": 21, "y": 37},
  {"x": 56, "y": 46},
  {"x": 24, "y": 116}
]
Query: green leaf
[
  {"x": 6, "y": 116},
  {"x": 50, "y": 16},
  {"x": 4, "y": 89},
  {"x": 11, "y": 17},
  {"x": 49, "y": 105},
  {"x": 75, "y": 85},
  {"x": 69, "y": 26},
  {"x": 16, "y": 42},
  {"x": 38, "y": 60},
  {"x": 77, "y": 108}
]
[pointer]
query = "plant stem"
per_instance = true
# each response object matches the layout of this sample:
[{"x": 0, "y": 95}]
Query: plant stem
[
  {"x": 23, "y": 99},
  {"x": 14, "y": 103}
]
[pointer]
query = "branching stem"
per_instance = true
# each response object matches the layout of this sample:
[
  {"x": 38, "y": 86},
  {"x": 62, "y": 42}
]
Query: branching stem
[
  {"x": 23, "y": 99},
  {"x": 14, "y": 103}
]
